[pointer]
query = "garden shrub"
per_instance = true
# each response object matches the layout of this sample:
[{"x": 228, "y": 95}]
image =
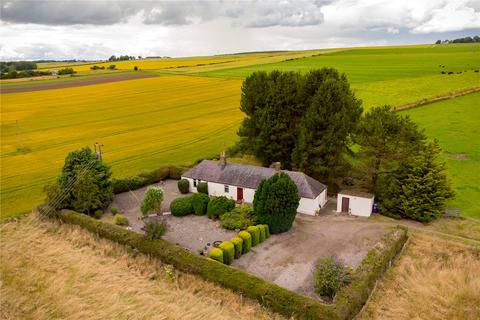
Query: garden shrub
[
  {"x": 152, "y": 201},
  {"x": 181, "y": 206},
  {"x": 261, "y": 229},
  {"x": 238, "y": 244},
  {"x": 247, "y": 241},
  {"x": 240, "y": 217},
  {"x": 218, "y": 206},
  {"x": 128, "y": 184},
  {"x": 183, "y": 186},
  {"x": 216, "y": 254},
  {"x": 330, "y": 275},
  {"x": 228, "y": 251},
  {"x": 202, "y": 187},
  {"x": 155, "y": 229},
  {"x": 114, "y": 211},
  {"x": 275, "y": 202},
  {"x": 120, "y": 220},
  {"x": 255, "y": 233},
  {"x": 200, "y": 203},
  {"x": 98, "y": 214}
]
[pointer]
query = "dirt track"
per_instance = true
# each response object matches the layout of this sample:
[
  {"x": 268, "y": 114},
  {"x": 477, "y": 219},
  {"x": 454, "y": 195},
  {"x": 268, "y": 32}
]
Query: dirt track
[{"x": 80, "y": 81}]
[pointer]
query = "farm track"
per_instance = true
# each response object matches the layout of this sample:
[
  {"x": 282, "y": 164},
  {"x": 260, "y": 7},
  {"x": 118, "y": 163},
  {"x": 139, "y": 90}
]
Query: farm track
[
  {"x": 447, "y": 96},
  {"x": 86, "y": 81}
]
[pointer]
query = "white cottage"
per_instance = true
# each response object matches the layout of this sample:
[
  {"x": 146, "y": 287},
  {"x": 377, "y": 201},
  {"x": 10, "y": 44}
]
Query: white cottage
[
  {"x": 357, "y": 203},
  {"x": 239, "y": 182}
]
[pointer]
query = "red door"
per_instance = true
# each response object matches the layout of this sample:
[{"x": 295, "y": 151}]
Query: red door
[
  {"x": 239, "y": 194},
  {"x": 345, "y": 204}
]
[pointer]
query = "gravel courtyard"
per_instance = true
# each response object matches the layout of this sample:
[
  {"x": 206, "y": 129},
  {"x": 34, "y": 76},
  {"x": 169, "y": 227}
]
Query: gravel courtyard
[{"x": 289, "y": 259}]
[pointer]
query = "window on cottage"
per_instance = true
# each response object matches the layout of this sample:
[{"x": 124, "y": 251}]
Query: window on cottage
[
  {"x": 226, "y": 189},
  {"x": 195, "y": 182}
]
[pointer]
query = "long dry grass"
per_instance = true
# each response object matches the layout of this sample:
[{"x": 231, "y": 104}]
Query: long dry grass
[
  {"x": 434, "y": 279},
  {"x": 52, "y": 271}
]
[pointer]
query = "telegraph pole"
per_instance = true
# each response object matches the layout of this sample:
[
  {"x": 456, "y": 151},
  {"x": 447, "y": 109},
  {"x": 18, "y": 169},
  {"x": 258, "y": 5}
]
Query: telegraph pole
[
  {"x": 20, "y": 137},
  {"x": 98, "y": 150}
]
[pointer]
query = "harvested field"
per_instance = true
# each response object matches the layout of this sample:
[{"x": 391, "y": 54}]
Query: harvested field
[
  {"x": 433, "y": 279},
  {"x": 75, "y": 82},
  {"x": 52, "y": 271}
]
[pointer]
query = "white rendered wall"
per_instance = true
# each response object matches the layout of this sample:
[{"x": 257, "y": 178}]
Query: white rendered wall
[{"x": 358, "y": 206}]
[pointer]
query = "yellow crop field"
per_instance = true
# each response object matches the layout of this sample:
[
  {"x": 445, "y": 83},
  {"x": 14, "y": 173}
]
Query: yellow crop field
[{"x": 142, "y": 123}]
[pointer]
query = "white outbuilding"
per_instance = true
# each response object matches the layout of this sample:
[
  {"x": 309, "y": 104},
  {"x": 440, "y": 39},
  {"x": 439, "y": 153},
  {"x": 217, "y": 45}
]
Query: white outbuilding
[
  {"x": 356, "y": 203},
  {"x": 239, "y": 182}
]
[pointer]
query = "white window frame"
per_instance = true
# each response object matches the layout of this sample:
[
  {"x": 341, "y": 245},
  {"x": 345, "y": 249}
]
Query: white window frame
[{"x": 226, "y": 188}]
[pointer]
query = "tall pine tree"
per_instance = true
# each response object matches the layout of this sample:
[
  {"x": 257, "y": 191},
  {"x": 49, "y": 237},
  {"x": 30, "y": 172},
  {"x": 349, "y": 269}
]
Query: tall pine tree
[{"x": 326, "y": 128}]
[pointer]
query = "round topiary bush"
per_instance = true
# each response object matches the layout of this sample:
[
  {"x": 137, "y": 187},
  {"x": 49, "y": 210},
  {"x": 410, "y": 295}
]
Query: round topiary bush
[
  {"x": 183, "y": 186},
  {"x": 238, "y": 243},
  {"x": 202, "y": 187},
  {"x": 181, "y": 206},
  {"x": 247, "y": 241},
  {"x": 228, "y": 251},
  {"x": 200, "y": 203},
  {"x": 98, "y": 214},
  {"x": 114, "y": 211},
  {"x": 216, "y": 254},
  {"x": 218, "y": 206},
  {"x": 267, "y": 231},
  {"x": 261, "y": 229},
  {"x": 255, "y": 233}
]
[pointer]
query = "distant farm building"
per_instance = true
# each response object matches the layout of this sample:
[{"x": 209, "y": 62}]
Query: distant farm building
[{"x": 239, "y": 182}]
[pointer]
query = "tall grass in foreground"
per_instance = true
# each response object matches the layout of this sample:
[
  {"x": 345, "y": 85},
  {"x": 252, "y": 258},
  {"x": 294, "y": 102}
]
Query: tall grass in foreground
[
  {"x": 60, "y": 271},
  {"x": 434, "y": 279}
]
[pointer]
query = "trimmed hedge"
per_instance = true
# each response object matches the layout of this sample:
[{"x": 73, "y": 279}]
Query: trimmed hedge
[
  {"x": 183, "y": 186},
  {"x": 238, "y": 243},
  {"x": 216, "y": 254},
  {"x": 350, "y": 298},
  {"x": 255, "y": 233},
  {"x": 268, "y": 294},
  {"x": 146, "y": 178},
  {"x": 228, "y": 251},
  {"x": 247, "y": 241},
  {"x": 181, "y": 206},
  {"x": 200, "y": 203},
  {"x": 262, "y": 233},
  {"x": 218, "y": 206},
  {"x": 202, "y": 187},
  {"x": 128, "y": 183},
  {"x": 267, "y": 231}
]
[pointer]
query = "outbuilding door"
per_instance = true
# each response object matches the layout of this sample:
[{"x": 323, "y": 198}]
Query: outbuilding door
[
  {"x": 239, "y": 194},
  {"x": 345, "y": 204}
]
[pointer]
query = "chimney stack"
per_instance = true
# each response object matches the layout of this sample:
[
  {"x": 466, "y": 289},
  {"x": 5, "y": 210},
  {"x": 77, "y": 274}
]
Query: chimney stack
[
  {"x": 223, "y": 159},
  {"x": 277, "y": 166}
]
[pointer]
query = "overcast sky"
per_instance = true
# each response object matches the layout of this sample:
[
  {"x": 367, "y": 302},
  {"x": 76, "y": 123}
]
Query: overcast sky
[{"x": 98, "y": 29}]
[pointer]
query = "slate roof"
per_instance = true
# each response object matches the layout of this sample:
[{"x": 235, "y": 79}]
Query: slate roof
[{"x": 247, "y": 176}]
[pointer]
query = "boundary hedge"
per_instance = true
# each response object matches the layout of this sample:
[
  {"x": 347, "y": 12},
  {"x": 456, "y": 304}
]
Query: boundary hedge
[{"x": 347, "y": 302}]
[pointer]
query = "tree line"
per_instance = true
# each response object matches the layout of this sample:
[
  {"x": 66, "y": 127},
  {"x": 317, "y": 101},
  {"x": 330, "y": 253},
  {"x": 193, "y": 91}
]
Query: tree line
[
  {"x": 460, "y": 40},
  {"x": 314, "y": 123}
]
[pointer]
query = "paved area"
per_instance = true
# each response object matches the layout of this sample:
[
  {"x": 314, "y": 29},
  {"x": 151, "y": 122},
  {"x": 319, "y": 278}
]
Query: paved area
[{"x": 289, "y": 259}]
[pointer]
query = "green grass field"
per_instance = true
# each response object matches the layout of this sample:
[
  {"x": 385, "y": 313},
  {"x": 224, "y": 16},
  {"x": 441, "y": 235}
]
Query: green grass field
[
  {"x": 456, "y": 124},
  {"x": 192, "y": 112},
  {"x": 395, "y": 75}
]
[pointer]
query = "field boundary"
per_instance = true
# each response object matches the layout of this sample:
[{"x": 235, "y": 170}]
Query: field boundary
[
  {"x": 450, "y": 95},
  {"x": 347, "y": 303}
]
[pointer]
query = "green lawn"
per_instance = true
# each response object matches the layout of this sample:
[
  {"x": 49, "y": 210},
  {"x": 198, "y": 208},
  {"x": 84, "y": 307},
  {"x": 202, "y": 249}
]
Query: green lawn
[
  {"x": 456, "y": 124},
  {"x": 395, "y": 75}
]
